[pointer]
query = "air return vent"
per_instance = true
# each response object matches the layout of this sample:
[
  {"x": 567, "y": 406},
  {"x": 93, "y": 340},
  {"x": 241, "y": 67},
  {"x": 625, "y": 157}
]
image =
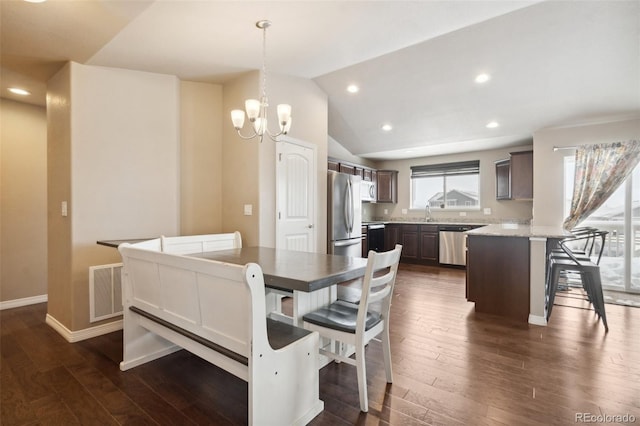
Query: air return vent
[{"x": 105, "y": 291}]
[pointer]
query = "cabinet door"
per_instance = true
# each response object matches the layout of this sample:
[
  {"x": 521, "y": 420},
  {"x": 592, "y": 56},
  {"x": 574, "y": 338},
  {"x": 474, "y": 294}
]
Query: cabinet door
[
  {"x": 365, "y": 242},
  {"x": 387, "y": 186},
  {"x": 409, "y": 240},
  {"x": 522, "y": 175},
  {"x": 367, "y": 175},
  {"x": 391, "y": 236},
  {"x": 333, "y": 165},
  {"x": 358, "y": 171},
  {"x": 429, "y": 249},
  {"x": 503, "y": 180},
  {"x": 346, "y": 168}
]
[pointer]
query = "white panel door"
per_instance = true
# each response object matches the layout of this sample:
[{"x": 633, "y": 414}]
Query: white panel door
[{"x": 296, "y": 195}]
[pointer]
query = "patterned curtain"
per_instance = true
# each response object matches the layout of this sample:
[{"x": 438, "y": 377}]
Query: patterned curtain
[{"x": 600, "y": 169}]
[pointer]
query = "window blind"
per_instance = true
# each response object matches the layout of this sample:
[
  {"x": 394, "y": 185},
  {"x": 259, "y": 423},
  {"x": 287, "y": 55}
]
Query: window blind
[{"x": 446, "y": 169}]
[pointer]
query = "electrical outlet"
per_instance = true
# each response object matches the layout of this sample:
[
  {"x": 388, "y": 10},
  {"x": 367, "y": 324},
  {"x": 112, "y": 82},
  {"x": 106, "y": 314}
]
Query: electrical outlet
[
  {"x": 386, "y": 211},
  {"x": 404, "y": 211},
  {"x": 248, "y": 209},
  {"x": 487, "y": 210},
  {"x": 463, "y": 213}
]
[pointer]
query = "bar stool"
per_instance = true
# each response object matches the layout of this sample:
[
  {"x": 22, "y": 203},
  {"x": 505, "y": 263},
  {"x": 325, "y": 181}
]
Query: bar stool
[
  {"x": 582, "y": 253},
  {"x": 588, "y": 271}
]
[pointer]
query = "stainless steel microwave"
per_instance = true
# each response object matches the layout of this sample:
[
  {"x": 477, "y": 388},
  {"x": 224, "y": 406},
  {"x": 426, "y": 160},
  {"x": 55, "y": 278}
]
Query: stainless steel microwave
[{"x": 368, "y": 191}]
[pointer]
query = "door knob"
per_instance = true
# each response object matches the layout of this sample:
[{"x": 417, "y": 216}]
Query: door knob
[{"x": 309, "y": 226}]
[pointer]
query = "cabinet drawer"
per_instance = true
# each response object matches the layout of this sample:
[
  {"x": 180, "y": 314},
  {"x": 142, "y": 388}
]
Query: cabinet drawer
[
  {"x": 409, "y": 228},
  {"x": 428, "y": 228}
]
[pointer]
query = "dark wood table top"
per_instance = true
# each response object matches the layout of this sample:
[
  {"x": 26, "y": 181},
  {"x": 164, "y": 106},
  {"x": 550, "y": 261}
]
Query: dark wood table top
[{"x": 293, "y": 270}]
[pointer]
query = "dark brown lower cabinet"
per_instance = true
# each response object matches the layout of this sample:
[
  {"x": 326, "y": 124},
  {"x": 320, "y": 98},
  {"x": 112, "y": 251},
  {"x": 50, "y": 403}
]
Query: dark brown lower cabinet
[
  {"x": 391, "y": 236},
  {"x": 498, "y": 275},
  {"x": 409, "y": 241},
  {"x": 429, "y": 244},
  {"x": 365, "y": 242},
  {"x": 420, "y": 243}
]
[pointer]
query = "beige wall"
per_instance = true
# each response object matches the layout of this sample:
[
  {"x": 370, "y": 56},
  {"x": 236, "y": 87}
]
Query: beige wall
[
  {"x": 200, "y": 158},
  {"x": 59, "y": 247},
  {"x": 505, "y": 210},
  {"x": 249, "y": 166},
  {"x": 240, "y": 164},
  {"x": 23, "y": 201},
  {"x": 309, "y": 115},
  {"x": 548, "y": 176},
  {"x": 122, "y": 167}
]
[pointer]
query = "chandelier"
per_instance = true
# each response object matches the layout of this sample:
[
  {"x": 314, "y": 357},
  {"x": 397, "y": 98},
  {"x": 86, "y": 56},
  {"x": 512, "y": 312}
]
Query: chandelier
[{"x": 257, "y": 109}]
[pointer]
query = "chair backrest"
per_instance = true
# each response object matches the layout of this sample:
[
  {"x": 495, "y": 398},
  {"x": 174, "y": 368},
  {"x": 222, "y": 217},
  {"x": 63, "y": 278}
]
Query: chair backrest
[
  {"x": 200, "y": 243},
  {"x": 590, "y": 235},
  {"x": 221, "y": 302},
  {"x": 378, "y": 286}
]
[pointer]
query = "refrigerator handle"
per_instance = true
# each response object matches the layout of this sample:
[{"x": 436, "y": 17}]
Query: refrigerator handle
[
  {"x": 348, "y": 213},
  {"x": 351, "y": 209},
  {"x": 346, "y": 243}
]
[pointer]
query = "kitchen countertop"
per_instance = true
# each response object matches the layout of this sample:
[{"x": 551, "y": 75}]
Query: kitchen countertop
[
  {"x": 515, "y": 230},
  {"x": 420, "y": 222}
]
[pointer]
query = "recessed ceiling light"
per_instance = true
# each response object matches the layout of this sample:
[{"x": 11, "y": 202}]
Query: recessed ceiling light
[
  {"x": 352, "y": 88},
  {"x": 35, "y": 1},
  {"x": 482, "y": 78},
  {"x": 387, "y": 127},
  {"x": 492, "y": 125},
  {"x": 19, "y": 91}
]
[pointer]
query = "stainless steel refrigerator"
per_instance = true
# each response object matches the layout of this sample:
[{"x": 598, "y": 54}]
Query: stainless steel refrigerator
[{"x": 343, "y": 215}]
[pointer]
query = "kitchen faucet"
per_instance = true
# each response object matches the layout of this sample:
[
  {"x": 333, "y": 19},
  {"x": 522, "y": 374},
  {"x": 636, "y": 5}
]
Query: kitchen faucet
[{"x": 427, "y": 213}]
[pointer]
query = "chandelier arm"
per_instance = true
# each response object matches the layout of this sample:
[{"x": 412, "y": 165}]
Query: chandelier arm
[
  {"x": 272, "y": 136},
  {"x": 261, "y": 120},
  {"x": 247, "y": 137}
]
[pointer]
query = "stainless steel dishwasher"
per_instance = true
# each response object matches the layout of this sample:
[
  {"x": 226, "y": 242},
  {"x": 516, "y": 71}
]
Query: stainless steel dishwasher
[{"x": 453, "y": 244}]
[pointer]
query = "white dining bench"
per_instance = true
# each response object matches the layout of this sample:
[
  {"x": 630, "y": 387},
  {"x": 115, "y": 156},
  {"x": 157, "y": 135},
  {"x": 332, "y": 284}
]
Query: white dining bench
[{"x": 217, "y": 311}]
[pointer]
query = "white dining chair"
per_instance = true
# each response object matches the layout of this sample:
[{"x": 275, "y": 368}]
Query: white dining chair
[{"x": 356, "y": 325}]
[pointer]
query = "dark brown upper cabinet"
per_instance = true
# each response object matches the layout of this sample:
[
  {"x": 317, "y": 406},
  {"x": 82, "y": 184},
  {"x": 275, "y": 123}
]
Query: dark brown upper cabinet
[{"x": 514, "y": 177}]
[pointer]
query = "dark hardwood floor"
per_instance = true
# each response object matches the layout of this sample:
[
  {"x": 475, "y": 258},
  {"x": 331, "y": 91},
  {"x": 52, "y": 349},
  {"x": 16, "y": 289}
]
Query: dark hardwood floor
[{"x": 451, "y": 367}]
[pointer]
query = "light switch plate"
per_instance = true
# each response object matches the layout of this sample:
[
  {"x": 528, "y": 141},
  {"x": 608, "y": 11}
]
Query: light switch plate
[
  {"x": 63, "y": 208},
  {"x": 487, "y": 210},
  {"x": 248, "y": 209},
  {"x": 463, "y": 213},
  {"x": 404, "y": 211}
]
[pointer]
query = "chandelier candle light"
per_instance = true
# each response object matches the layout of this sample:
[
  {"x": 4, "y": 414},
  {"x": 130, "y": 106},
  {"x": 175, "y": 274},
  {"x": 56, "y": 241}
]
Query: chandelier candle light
[{"x": 257, "y": 109}]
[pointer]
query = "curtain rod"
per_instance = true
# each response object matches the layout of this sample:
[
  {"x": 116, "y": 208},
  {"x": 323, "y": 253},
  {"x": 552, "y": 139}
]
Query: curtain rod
[{"x": 558, "y": 148}]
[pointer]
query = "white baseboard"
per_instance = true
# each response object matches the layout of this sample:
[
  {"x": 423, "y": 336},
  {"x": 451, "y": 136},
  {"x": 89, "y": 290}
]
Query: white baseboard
[
  {"x": 87, "y": 333},
  {"x": 537, "y": 320},
  {"x": 16, "y": 303}
]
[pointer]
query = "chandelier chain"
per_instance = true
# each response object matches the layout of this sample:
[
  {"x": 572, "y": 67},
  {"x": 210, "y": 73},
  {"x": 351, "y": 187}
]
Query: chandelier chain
[{"x": 264, "y": 62}]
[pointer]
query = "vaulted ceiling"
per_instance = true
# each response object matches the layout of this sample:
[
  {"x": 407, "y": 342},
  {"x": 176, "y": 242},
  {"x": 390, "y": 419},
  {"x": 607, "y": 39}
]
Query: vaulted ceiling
[{"x": 550, "y": 63}]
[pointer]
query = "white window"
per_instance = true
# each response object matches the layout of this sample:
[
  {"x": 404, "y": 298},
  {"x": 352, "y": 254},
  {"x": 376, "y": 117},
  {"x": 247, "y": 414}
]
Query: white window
[
  {"x": 620, "y": 217},
  {"x": 453, "y": 186}
]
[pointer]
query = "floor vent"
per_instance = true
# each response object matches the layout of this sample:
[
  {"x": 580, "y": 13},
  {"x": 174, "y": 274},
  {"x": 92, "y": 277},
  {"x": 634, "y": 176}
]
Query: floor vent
[{"x": 105, "y": 291}]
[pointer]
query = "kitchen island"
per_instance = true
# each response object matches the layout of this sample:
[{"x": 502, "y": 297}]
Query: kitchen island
[{"x": 506, "y": 267}]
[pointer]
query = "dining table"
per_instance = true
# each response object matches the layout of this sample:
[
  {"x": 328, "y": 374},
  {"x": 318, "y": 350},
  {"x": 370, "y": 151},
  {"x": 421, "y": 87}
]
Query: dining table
[{"x": 309, "y": 278}]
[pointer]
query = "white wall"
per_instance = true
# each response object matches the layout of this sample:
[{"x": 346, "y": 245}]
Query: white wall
[{"x": 548, "y": 171}]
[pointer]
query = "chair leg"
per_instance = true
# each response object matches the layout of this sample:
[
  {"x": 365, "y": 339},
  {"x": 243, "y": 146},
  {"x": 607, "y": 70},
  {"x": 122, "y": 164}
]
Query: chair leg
[
  {"x": 361, "y": 369},
  {"x": 598, "y": 302},
  {"x": 386, "y": 353},
  {"x": 553, "y": 286}
]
